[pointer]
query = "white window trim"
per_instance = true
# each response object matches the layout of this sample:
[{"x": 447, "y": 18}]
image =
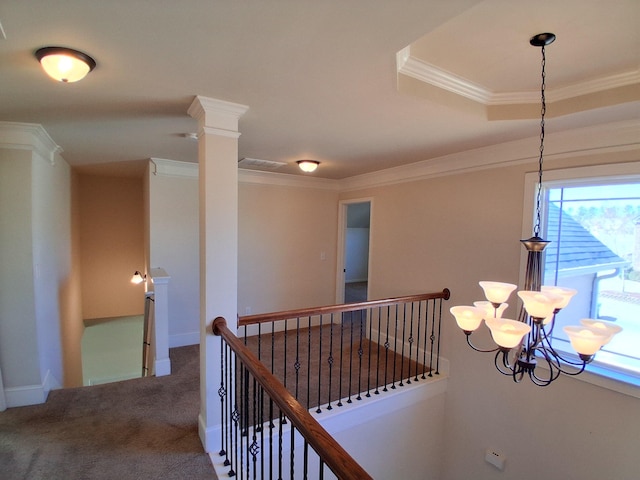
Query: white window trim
[{"x": 622, "y": 171}]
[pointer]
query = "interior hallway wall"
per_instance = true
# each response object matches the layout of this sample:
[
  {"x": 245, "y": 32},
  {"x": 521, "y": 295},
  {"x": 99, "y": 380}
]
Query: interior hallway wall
[
  {"x": 35, "y": 259},
  {"x": 174, "y": 243},
  {"x": 111, "y": 229},
  {"x": 287, "y": 247}
]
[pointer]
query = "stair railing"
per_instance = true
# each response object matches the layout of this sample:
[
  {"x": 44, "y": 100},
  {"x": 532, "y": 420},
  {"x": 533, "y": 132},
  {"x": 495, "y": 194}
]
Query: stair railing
[{"x": 261, "y": 418}]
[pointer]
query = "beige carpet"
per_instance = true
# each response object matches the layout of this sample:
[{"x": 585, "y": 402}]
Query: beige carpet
[{"x": 136, "y": 429}]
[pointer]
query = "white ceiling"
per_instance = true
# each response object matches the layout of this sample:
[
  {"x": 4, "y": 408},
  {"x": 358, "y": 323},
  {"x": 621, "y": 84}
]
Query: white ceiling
[{"x": 319, "y": 77}]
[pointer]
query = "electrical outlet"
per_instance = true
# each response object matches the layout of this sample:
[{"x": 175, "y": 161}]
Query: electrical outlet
[
  {"x": 247, "y": 311},
  {"x": 495, "y": 458}
]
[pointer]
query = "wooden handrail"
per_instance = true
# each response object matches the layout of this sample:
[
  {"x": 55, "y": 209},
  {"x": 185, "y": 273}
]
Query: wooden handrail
[
  {"x": 331, "y": 453},
  {"x": 345, "y": 307}
]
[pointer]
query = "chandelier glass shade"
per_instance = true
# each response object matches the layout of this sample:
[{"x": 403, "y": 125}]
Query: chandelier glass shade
[{"x": 524, "y": 342}]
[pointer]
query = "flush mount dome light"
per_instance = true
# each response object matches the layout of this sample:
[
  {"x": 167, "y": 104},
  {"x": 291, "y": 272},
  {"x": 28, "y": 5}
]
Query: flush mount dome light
[
  {"x": 308, "y": 166},
  {"x": 65, "y": 64}
]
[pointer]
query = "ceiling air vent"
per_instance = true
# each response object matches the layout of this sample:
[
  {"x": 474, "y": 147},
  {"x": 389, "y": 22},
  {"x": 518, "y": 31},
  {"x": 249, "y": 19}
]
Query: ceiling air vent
[{"x": 261, "y": 164}]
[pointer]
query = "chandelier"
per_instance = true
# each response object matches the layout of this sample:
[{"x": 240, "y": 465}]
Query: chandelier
[{"x": 524, "y": 342}]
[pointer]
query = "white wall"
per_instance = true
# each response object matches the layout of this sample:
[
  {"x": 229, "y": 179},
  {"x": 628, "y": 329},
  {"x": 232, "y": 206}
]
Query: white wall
[
  {"x": 35, "y": 232},
  {"x": 51, "y": 222},
  {"x": 174, "y": 243},
  {"x": 453, "y": 231}
]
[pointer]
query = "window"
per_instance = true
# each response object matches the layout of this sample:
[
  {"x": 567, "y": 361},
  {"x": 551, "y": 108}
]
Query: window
[{"x": 591, "y": 216}]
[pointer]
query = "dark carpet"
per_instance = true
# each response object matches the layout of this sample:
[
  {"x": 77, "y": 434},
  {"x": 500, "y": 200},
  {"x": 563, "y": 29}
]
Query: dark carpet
[
  {"x": 333, "y": 364},
  {"x": 136, "y": 429}
]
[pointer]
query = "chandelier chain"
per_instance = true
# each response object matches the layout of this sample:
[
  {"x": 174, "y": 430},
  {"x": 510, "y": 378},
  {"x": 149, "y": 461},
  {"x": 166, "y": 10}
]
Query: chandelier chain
[{"x": 543, "y": 111}]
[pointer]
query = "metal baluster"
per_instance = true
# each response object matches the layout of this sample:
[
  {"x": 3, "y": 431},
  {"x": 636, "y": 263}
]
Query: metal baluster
[
  {"x": 426, "y": 332},
  {"x": 308, "y": 363},
  {"x": 418, "y": 341},
  {"x": 350, "y": 357},
  {"x": 297, "y": 365},
  {"x": 221, "y": 394},
  {"x": 318, "y": 410},
  {"x": 395, "y": 347},
  {"x": 341, "y": 359},
  {"x": 305, "y": 459},
  {"x": 292, "y": 455},
  {"x": 370, "y": 339},
  {"x": 280, "y": 442},
  {"x": 261, "y": 430},
  {"x": 410, "y": 342},
  {"x": 240, "y": 435},
  {"x": 235, "y": 415},
  {"x": 246, "y": 426},
  {"x": 432, "y": 337},
  {"x": 386, "y": 352},
  {"x": 284, "y": 382},
  {"x": 439, "y": 335},
  {"x": 253, "y": 447},
  {"x": 377, "y": 392},
  {"x": 271, "y": 426},
  {"x": 330, "y": 361},
  {"x": 359, "y": 397},
  {"x": 404, "y": 329}
]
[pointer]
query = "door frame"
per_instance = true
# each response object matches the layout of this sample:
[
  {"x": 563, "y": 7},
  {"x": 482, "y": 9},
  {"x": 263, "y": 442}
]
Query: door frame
[{"x": 342, "y": 240}]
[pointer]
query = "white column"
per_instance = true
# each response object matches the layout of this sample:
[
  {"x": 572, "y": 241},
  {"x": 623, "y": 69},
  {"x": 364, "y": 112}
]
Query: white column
[
  {"x": 218, "y": 162},
  {"x": 161, "y": 362}
]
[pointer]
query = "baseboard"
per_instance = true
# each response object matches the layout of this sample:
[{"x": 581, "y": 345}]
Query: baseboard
[
  {"x": 184, "y": 339},
  {"x": 31, "y": 394},
  {"x": 210, "y": 437},
  {"x": 442, "y": 363},
  {"x": 162, "y": 367}
]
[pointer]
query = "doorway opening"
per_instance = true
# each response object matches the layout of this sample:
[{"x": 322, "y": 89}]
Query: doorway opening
[{"x": 353, "y": 251}]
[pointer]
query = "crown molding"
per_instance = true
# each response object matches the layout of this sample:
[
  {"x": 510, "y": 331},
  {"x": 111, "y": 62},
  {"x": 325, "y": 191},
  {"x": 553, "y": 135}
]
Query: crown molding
[
  {"x": 613, "y": 137},
  {"x": 433, "y": 75},
  {"x": 172, "y": 168},
  {"x": 29, "y": 136},
  {"x": 258, "y": 177}
]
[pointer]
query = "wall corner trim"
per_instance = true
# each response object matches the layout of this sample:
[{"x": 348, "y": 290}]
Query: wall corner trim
[
  {"x": 174, "y": 168},
  {"x": 29, "y": 136}
]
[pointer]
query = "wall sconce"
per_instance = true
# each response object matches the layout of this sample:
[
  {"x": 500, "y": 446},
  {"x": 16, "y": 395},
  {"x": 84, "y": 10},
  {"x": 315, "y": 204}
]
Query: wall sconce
[
  {"x": 308, "y": 166},
  {"x": 65, "y": 64},
  {"x": 138, "y": 278}
]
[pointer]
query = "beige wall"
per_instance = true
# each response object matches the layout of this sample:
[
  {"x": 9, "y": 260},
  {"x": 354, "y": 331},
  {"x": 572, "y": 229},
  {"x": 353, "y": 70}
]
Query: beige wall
[
  {"x": 111, "y": 232},
  {"x": 282, "y": 235},
  {"x": 452, "y": 231}
]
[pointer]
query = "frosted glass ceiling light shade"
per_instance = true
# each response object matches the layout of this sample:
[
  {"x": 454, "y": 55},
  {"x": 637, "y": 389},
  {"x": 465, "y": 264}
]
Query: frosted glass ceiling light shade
[
  {"x": 565, "y": 293},
  {"x": 539, "y": 305},
  {"x": 524, "y": 342},
  {"x": 65, "y": 64},
  {"x": 468, "y": 318},
  {"x": 584, "y": 340},
  {"x": 609, "y": 328},
  {"x": 497, "y": 292},
  {"x": 507, "y": 333},
  {"x": 489, "y": 308},
  {"x": 308, "y": 166}
]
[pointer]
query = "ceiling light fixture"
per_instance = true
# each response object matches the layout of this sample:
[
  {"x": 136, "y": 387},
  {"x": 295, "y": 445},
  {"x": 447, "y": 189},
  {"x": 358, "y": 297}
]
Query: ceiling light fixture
[
  {"x": 308, "y": 166},
  {"x": 522, "y": 343},
  {"x": 65, "y": 64}
]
